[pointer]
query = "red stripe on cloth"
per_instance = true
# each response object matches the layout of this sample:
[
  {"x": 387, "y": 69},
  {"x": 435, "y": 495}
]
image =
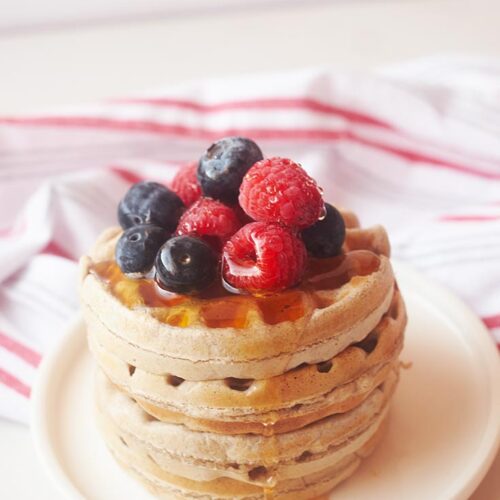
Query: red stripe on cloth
[
  {"x": 492, "y": 321},
  {"x": 14, "y": 230},
  {"x": 468, "y": 218},
  {"x": 417, "y": 157},
  {"x": 126, "y": 175},
  {"x": 14, "y": 383},
  {"x": 263, "y": 104},
  {"x": 271, "y": 134},
  {"x": 20, "y": 350},
  {"x": 53, "y": 248},
  {"x": 6, "y": 232}
]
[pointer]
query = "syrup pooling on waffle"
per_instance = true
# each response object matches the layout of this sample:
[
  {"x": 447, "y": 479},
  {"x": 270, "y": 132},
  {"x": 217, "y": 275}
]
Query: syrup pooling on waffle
[
  {"x": 260, "y": 350},
  {"x": 218, "y": 308}
]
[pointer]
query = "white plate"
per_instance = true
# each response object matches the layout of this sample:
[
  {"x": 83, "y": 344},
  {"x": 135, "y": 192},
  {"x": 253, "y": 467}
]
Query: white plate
[{"x": 444, "y": 428}]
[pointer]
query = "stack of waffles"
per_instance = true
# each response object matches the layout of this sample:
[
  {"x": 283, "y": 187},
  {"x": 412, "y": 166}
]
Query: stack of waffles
[{"x": 238, "y": 397}]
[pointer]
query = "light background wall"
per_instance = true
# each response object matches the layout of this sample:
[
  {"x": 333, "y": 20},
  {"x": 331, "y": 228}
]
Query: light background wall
[{"x": 60, "y": 63}]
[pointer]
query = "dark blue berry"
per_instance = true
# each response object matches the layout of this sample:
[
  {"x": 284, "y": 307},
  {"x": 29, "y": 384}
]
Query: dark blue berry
[
  {"x": 137, "y": 247},
  {"x": 150, "y": 203},
  {"x": 185, "y": 265},
  {"x": 223, "y": 166},
  {"x": 326, "y": 237}
]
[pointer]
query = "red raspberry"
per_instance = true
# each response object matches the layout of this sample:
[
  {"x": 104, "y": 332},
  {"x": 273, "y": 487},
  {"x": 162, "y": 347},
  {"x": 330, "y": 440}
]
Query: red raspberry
[
  {"x": 262, "y": 257},
  {"x": 209, "y": 219},
  {"x": 279, "y": 190},
  {"x": 185, "y": 184}
]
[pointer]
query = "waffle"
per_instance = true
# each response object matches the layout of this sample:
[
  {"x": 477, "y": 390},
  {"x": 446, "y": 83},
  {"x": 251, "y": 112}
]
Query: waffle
[
  {"x": 292, "y": 400},
  {"x": 308, "y": 487},
  {"x": 246, "y": 397},
  {"x": 322, "y": 322},
  {"x": 254, "y": 460}
]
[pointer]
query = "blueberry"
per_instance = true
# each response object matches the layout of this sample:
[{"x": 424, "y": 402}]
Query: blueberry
[
  {"x": 150, "y": 203},
  {"x": 222, "y": 167},
  {"x": 185, "y": 265},
  {"x": 326, "y": 237},
  {"x": 137, "y": 248}
]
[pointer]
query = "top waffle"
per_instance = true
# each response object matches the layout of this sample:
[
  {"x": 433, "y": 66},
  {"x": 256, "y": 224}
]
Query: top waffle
[{"x": 338, "y": 303}]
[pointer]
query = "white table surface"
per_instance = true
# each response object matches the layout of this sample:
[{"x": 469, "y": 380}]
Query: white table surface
[{"x": 49, "y": 68}]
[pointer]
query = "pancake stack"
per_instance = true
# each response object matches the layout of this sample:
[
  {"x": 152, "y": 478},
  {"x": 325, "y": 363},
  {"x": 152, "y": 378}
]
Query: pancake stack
[{"x": 242, "y": 397}]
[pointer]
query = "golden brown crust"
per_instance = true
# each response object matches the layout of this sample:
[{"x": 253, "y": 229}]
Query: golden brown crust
[
  {"x": 219, "y": 450},
  {"x": 146, "y": 348},
  {"x": 351, "y": 395},
  {"x": 166, "y": 483},
  {"x": 374, "y": 238},
  {"x": 304, "y": 489},
  {"x": 292, "y": 399}
]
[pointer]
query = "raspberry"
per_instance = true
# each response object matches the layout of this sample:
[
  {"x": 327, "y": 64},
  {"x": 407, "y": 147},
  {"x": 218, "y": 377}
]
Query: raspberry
[
  {"x": 209, "y": 219},
  {"x": 279, "y": 190},
  {"x": 185, "y": 184},
  {"x": 263, "y": 257}
]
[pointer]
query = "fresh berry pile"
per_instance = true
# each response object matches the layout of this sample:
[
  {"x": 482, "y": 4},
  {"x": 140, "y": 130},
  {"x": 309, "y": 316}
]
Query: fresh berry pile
[{"x": 234, "y": 216}]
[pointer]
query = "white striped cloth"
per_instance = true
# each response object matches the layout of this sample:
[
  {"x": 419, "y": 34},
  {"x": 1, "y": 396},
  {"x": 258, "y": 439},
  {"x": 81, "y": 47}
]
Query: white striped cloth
[{"x": 416, "y": 148}]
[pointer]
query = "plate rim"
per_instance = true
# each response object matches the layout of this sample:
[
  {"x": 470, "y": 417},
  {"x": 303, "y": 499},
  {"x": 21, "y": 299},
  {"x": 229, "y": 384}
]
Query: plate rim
[
  {"x": 484, "y": 344},
  {"x": 476, "y": 468},
  {"x": 40, "y": 398}
]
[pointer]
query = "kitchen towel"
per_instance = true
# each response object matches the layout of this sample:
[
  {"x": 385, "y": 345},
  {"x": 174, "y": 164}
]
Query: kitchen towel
[{"x": 415, "y": 147}]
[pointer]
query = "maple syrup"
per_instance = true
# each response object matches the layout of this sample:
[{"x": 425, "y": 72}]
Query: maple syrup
[
  {"x": 217, "y": 307},
  {"x": 285, "y": 306},
  {"x": 268, "y": 492},
  {"x": 270, "y": 455}
]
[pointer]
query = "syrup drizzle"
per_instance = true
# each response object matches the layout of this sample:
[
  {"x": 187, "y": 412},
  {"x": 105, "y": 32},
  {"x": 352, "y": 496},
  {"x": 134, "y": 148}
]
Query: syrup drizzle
[
  {"x": 270, "y": 454},
  {"x": 217, "y": 307}
]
